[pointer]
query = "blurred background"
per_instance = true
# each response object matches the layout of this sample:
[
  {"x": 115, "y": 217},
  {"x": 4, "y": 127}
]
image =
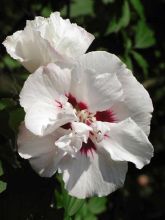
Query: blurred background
[{"x": 135, "y": 31}]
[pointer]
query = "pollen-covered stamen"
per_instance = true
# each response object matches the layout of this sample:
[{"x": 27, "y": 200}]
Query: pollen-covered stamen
[
  {"x": 97, "y": 136},
  {"x": 86, "y": 117},
  {"x": 81, "y": 110},
  {"x": 100, "y": 132}
]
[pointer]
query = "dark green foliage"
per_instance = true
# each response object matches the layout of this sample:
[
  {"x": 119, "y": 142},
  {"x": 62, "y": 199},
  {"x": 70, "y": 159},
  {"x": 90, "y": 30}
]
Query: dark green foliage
[{"x": 133, "y": 30}]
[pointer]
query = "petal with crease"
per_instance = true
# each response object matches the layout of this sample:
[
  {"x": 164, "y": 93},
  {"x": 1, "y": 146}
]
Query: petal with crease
[
  {"x": 95, "y": 175},
  {"x": 42, "y": 153},
  {"x": 47, "y": 83},
  {"x": 46, "y": 165},
  {"x": 98, "y": 91},
  {"x": 29, "y": 48},
  {"x": 44, "y": 100},
  {"x": 81, "y": 130},
  {"x": 44, "y": 118},
  {"x": 70, "y": 144},
  {"x": 68, "y": 39},
  {"x": 127, "y": 142},
  {"x": 137, "y": 99},
  {"x": 134, "y": 101},
  {"x": 46, "y": 40}
]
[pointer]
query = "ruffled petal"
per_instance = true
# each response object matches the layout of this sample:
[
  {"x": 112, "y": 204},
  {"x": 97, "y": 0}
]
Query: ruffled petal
[
  {"x": 42, "y": 153},
  {"x": 68, "y": 39},
  {"x": 47, "y": 83},
  {"x": 46, "y": 165},
  {"x": 44, "y": 117},
  {"x": 127, "y": 142},
  {"x": 81, "y": 130},
  {"x": 29, "y": 48},
  {"x": 135, "y": 101},
  {"x": 30, "y": 145},
  {"x": 95, "y": 81},
  {"x": 136, "y": 98},
  {"x": 46, "y": 40},
  {"x": 97, "y": 174},
  {"x": 122, "y": 111},
  {"x": 72, "y": 142},
  {"x": 44, "y": 101}
]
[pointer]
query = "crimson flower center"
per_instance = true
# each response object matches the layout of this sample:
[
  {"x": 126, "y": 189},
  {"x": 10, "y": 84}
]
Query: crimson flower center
[{"x": 87, "y": 117}]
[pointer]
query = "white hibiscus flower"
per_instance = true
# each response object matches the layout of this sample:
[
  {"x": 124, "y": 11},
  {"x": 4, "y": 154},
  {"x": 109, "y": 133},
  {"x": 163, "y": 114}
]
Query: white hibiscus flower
[
  {"x": 86, "y": 124},
  {"x": 46, "y": 40}
]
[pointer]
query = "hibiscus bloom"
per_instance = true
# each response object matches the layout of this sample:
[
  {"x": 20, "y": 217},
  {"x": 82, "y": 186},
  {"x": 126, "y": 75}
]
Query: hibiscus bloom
[
  {"x": 46, "y": 40},
  {"x": 87, "y": 123}
]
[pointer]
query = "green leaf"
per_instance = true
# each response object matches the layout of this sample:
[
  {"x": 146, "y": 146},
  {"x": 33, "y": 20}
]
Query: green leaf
[
  {"x": 97, "y": 205},
  {"x": 108, "y": 1},
  {"x": 141, "y": 62},
  {"x": 115, "y": 24},
  {"x": 8, "y": 86},
  {"x": 78, "y": 217},
  {"x": 73, "y": 205},
  {"x": 11, "y": 63},
  {"x": 15, "y": 118},
  {"x": 128, "y": 61},
  {"x": 46, "y": 11},
  {"x": 79, "y": 8},
  {"x": 67, "y": 218},
  {"x": 2, "y": 184},
  {"x": 91, "y": 217},
  {"x": 59, "y": 199},
  {"x": 2, "y": 105},
  {"x": 138, "y": 6},
  {"x": 1, "y": 169},
  {"x": 5, "y": 129},
  {"x": 127, "y": 43},
  {"x": 144, "y": 37},
  {"x": 6, "y": 103},
  {"x": 125, "y": 18},
  {"x": 84, "y": 211}
]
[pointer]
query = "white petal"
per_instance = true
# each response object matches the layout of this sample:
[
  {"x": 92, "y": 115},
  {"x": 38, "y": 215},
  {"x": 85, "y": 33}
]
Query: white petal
[
  {"x": 48, "y": 40},
  {"x": 47, "y": 164},
  {"x": 82, "y": 130},
  {"x": 95, "y": 175},
  {"x": 30, "y": 145},
  {"x": 44, "y": 156},
  {"x": 44, "y": 101},
  {"x": 44, "y": 118},
  {"x": 97, "y": 91},
  {"x": 100, "y": 130},
  {"x": 100, "y": 62},
  {"x": 68, "y": 39},
  {"x": 123, "y": 111},
  {"x": 70, "y": 144},
  {"x": 47, "y": 83},
  {"x": 127, "y": 142},
  {"x": 136, "y": 102},
  {"x": 137, "y": 99},
  {"x": 30, "y": 49}
]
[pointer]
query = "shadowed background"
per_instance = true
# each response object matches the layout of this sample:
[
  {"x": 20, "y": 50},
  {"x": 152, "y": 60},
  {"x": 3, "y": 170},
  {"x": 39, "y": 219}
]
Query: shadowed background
[{"x": 133, "y": 30}]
